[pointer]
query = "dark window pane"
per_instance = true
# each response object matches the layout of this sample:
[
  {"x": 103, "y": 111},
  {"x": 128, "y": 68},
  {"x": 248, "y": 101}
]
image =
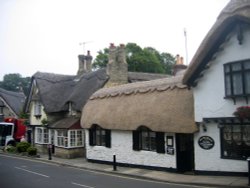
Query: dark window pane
[
  {"x": 236, "y": 67},
  {"x": 236, "y": 141},
  {"x": 227, "y": 68},
  {"x": 247, "y": 82},
  {"x": 237, "y": 84},
  {"x": 228, "y": 85},
  {"x": 247, "y": 65}
]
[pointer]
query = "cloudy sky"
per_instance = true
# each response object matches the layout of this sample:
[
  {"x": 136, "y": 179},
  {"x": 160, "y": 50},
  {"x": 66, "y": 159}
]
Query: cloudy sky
[{"x": 44, "y": 35}]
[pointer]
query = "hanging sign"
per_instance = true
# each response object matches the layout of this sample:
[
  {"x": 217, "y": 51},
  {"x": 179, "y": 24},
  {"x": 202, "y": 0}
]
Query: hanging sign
[{"x": 206, "y": 142}]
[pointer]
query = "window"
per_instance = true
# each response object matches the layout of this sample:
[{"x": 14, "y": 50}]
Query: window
[
  {"x": 99, "y": 136},
  {"x": 62, "y": 138},
  {"x": 145, "y": 139},
  {"x": 235, "y": 141},
  {"x": 237, "y": 78},
  {"x": 42, "y": 135},
  {"x": 76, "y": 138},
  {"x": 38, "y": 109}
]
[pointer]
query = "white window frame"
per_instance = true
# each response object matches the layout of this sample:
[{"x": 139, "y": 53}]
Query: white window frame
[
  {"x": 41, "y": 135},
  {"x": 61, "y": 138},
  {"x": 71, "y": 138},
  {"x": 37, "y": 108},
  {"x": 76, "y": 138}
]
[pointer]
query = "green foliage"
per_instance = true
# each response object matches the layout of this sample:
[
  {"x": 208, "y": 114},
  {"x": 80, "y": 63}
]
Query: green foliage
[
  {"x": 101, "y": 59},
  {"x": 11, "y": 149},
  {"x": 32, "y": 151},
  {"x": 15, "y": 82},
  {"x": 44, "y": 121},
  {"x": 140, "y": 60},
  {"x": 22, "y": 146}
]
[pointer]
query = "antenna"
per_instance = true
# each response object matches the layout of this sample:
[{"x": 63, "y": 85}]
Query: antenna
[
  {"x": 186, "y": 47},
  {"x": 83, "y": 44}
]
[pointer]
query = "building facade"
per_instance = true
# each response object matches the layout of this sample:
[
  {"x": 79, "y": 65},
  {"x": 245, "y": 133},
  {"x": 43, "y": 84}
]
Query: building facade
[{"x": 219, "y": 76}]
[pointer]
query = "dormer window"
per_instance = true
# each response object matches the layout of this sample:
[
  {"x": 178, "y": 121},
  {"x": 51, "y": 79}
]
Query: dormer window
[
  {"x": 38, "y": 109},
  {"x": 237, "y": 79}
]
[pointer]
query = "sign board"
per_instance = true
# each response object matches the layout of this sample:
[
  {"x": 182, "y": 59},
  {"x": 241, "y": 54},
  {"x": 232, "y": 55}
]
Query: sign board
[{"x": 206, "y": 142}]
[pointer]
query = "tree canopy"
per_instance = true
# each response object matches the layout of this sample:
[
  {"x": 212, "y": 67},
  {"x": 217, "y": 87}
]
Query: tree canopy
[
  {"x": 140, "y": 60},
  {"x": 15, "y": 82}
]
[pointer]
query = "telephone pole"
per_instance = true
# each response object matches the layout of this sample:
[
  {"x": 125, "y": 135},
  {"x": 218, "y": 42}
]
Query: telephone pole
[{"x": 186, "y": 46}]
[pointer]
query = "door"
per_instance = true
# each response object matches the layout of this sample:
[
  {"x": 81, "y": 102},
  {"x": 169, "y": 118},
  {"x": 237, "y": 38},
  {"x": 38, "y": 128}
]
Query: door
[{"x": 185, "y": 152}]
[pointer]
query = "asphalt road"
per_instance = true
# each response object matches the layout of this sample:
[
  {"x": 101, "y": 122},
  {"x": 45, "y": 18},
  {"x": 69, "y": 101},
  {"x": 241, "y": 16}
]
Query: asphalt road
[{"x": 24, "y": 173}]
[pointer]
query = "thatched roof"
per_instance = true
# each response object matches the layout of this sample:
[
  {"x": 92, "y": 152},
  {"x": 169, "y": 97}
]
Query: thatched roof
[
  {"x": 55, "y": 91},
  {"x": 164, "y": 105},
  {"x": 236, "y": 11},
  {"x": 13, "y": 100},
  {"x": 66, "y": 123},
  {"x": 141, "y": 76}
]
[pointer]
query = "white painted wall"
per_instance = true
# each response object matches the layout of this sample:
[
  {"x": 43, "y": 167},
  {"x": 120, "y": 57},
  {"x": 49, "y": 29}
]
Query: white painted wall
[
  {"x": 210, "y": 102},
  {"x": 210, "y": 91},
  {"x": 210, "y": 160},
  {"x": 121, "y": 145}
]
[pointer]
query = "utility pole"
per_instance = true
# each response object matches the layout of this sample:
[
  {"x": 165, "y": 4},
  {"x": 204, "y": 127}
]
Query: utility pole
[{"x": 186, "y": 47}]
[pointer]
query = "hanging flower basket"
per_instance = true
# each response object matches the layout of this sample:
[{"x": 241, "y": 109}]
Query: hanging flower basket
[{"x": 242, "y": 112}]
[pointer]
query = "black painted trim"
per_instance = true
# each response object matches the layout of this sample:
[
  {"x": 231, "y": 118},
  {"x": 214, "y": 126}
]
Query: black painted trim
[{"x": 134, "y": 165}]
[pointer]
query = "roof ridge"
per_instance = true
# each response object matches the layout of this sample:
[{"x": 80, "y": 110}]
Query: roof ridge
[{"x": 140, "y": 87}]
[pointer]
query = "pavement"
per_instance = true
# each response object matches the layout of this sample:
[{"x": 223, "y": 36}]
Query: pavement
[{"x": 170, "y": 177}]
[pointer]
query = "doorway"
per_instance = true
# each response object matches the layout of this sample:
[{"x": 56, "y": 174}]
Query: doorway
[{"x": 185, "y": 152}]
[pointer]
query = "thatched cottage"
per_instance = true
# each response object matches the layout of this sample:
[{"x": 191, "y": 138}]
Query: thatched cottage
[
  {"x": 55, "y": 101},
  {"x": 147, "y": 124},
  {"x": 219, "y": 75},
  {"x": 11, "y": 103}
]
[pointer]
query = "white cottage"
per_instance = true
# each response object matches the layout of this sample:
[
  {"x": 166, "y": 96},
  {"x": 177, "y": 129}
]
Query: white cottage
[
  {"x": 219, "y": 75},
  {"x": 146, "y": 124}
]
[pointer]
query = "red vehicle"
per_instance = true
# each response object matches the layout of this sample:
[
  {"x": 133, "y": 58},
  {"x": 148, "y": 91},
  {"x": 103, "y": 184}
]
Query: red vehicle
[{"x": 12, "y": 130}]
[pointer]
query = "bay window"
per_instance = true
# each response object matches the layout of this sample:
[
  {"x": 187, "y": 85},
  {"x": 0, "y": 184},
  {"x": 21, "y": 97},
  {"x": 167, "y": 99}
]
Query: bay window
[{"x": 42, "y": 135}]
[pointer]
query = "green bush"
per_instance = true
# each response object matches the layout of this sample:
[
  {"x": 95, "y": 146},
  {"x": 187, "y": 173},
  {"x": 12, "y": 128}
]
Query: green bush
[
  {"x": 32, "y": 151},
  {"x": 10, "y": 149},
  {"x": 22, "y": 146}
]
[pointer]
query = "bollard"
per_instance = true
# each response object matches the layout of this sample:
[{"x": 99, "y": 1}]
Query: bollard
[
  {"x": 49, "y": 151},
  {"x": 248, "y": 160},
  {"x": 114, "y": 163}
]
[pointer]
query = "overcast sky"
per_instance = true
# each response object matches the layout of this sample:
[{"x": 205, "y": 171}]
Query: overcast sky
[{"x": 44, "y": 35}]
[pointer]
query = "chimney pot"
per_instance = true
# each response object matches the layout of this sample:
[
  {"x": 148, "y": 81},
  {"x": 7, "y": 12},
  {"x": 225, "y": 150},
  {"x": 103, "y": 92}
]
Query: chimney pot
[{"x": 112, "y": 45}]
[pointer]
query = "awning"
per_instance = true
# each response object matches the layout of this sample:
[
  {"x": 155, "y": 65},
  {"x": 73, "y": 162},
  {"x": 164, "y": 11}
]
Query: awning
[{"x": 163, "y": 105}]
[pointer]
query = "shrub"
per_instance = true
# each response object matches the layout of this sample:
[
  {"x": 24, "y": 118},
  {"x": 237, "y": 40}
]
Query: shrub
[
  {"x": 32, "y": 151},
  {"x": 11, "y": 149},
  {"x": 22, "y": 146}
]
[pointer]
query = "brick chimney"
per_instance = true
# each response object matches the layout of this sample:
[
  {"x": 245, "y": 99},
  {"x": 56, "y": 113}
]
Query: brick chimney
[
  {"x": 85, "y": 62},
  {"x": 179, "y": 66},
  {"x": 117, "y": 67}
]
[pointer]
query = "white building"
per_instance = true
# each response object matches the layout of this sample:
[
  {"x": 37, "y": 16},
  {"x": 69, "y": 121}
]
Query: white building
[{"x": 219, "y": 75}]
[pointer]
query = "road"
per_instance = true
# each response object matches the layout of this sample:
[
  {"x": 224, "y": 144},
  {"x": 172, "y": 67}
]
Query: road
[{"x": 25, "y": 173}]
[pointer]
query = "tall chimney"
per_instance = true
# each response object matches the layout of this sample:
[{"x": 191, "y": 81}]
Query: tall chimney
[
  {"x": 179, "y": 67},
  {"x": 117, "y": 67},
  {"x": 84, "y": 63}
]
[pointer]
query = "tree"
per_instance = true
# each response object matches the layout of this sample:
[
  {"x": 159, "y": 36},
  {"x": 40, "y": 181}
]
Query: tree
[
  {"x": 15, "y": 82},
  {"x": 101, "y": 59},
  {"x": 140, "y": 60}
]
